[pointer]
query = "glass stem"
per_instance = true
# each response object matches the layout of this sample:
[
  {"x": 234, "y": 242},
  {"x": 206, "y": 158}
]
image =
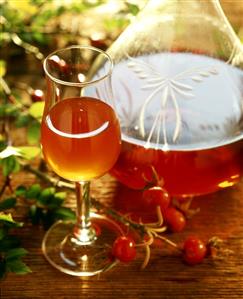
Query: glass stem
[{"x": 83, "y": 230}]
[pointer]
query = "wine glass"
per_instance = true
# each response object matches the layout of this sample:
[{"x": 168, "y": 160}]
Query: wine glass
[{"x": 80, "y": 137}]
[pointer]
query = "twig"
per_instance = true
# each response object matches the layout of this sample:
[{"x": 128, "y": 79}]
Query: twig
[
  {"x": 7, "y": 183},
  {"x": 119, "y": 217},
  {"x": 167, "y": 241},
  {"x": 147, "y": 257},
  {"x": 28, "y": 47},
  {"x": 46, "y": 178}
]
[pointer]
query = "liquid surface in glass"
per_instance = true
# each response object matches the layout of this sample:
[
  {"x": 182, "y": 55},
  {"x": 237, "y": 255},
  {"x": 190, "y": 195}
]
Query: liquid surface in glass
[{"x": 80, "y": 138}]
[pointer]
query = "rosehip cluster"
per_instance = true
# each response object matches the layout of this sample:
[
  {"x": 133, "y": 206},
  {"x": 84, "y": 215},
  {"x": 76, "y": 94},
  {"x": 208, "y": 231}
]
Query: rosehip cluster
[
  {"x": 193, "y": 250},
  {"x": 158, "y": 196}
]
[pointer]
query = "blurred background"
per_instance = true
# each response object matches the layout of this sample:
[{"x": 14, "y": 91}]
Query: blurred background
[{"x": 31, "y": 29}]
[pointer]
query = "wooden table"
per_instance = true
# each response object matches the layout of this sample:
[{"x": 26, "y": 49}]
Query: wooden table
[{"x": 166, "y": 276}]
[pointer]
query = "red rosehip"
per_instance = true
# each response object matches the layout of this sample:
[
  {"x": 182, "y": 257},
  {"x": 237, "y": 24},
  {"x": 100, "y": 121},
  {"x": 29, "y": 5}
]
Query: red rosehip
[
  {"x": 156, "y": 196},
  {"x": 194, "y": 250},
  {"x": 98, "y": 43},
  {"x": 59, "y": 65},
  {"x": 124, "y": 249},
  {"x": 175, "y": 219},
  {"x": 37, "y": 95}
]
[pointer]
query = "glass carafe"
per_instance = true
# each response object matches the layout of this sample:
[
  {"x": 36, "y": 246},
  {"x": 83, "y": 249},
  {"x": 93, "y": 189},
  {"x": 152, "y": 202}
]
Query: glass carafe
[{"x": 178, "y": 89}]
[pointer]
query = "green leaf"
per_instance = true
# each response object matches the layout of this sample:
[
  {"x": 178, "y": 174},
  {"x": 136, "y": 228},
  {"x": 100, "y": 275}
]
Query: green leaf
[
  {"x": 26, "y": 152},
  {"x": 9, "y": 242},
  {"x": 46, "y": 195},
  {"x": 15, "y": 253},
  {"x": 8, "y": 203},
  {"x": 36, "y": 110},
  {"x": 65, "y": 214},
  {"x": 33, "y": 133},
  {"x": 39, "y": 37},
  {"x": 9, "y": 165},
  {"x": 29, "y": 152},
  {"x": 33, "y": 192},
  {"x": 56, "y": 200},
  {"x": 47, "y": 218},
  {"x": 8, "y": 220},
  {"x": 3, "y": 233},
  {"x": 20, "y": 190},
  {"x": 2, "y": 68},
  {"x": 8, "y": 110},
  {"x": 22, "y": 121},
  {"x": 53, "y": 202},
  {"x": 61, "y": 195},
  {"x": 3, "y": 143},
  {"x": 37, "y": 2},
  {"x": 6, "y": 217},
  {"x": 133, "y": 8},
  {"x": 9, "y": 151},
  {"x": 5, "y": 37},
  {"x": 17, "y": 266},
  {"x": 35, "y": 214}
]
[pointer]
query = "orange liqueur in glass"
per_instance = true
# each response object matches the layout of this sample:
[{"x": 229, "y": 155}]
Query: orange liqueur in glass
[{"x": 79, "y": 138}]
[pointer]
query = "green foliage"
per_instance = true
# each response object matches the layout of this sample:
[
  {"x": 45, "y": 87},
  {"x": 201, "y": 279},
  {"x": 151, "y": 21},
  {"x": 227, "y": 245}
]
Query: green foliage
[
  {"x": 28, "y": 26},
  {"x": 45, "y": 205},
  {"x": 33, "y": 133},
  {"x": 9, "y": 165},
  {"x": 11, "y": 252},
  {"x": 7, "y": 203},
  {"x": 10, "y": 155},
  {"x": 29, "y": 19},
  {"x": 26, "y": 152},
  {"x": 22, "y": 120},
  {"x": 133, "y": 8},
  {"x": 2, "y": 68},
  {"x": 15, "y": 265},
  {"x": 36, "y": 110},
  {"x": 8, "y": 110}
]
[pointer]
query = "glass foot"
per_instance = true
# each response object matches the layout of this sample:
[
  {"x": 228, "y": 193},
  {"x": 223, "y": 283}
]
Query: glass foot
[{"x": 64, "y": 252}]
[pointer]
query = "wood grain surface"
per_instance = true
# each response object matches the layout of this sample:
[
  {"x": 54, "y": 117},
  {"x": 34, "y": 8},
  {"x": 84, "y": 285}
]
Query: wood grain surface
[{"x": 166, "y": 276}]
